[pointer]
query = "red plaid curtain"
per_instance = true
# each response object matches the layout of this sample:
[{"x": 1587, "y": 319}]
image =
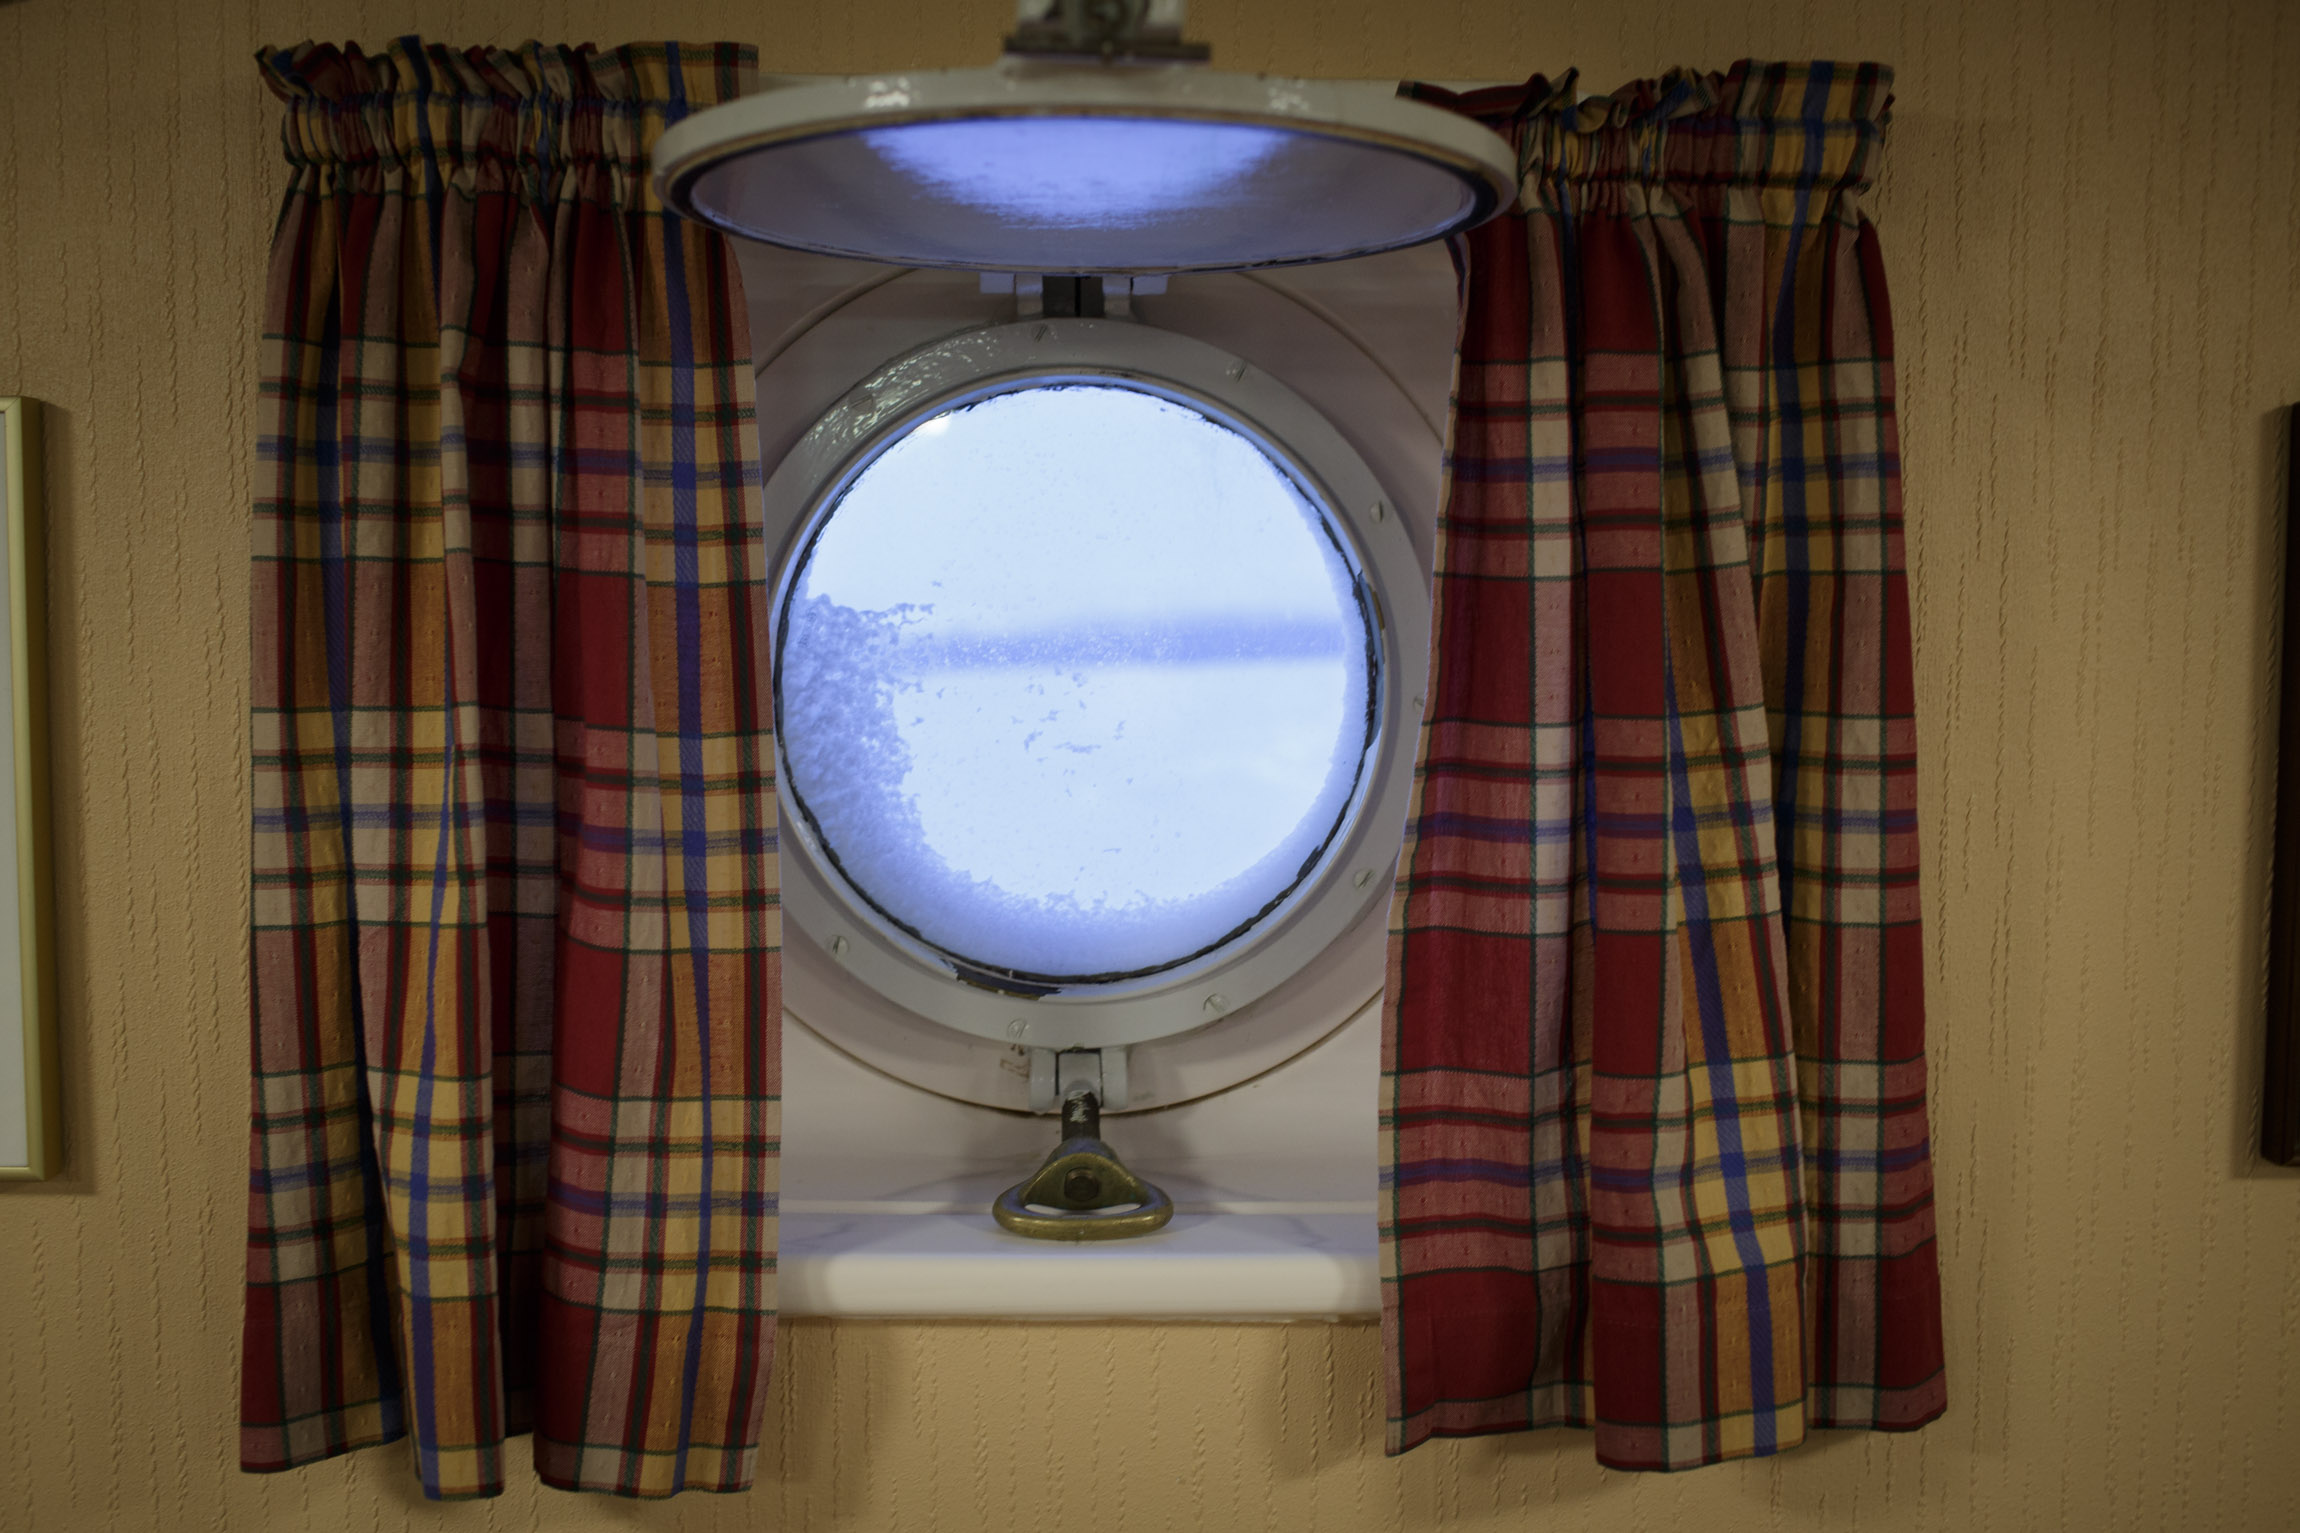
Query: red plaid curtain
[
  {"x": 1655, "y": 1155},
  {"x": 516, "y": 1013}
]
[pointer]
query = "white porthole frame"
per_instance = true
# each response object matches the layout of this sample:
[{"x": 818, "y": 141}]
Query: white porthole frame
[{"x": 1355, "y": 872}]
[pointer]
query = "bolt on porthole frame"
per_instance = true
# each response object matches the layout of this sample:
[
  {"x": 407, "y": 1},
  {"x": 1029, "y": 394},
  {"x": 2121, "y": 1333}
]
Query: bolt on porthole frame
[{"x": 805, "y": 490}]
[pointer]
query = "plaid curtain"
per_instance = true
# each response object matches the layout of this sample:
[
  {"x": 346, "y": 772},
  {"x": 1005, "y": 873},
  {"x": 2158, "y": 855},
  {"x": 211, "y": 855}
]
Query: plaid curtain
[
  {"x": 1655, "y": 1155},
  {"x": 516, "y": 985}
]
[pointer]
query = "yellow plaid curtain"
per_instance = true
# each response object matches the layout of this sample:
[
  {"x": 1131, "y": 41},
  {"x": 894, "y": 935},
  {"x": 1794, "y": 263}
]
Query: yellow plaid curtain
[{"x": 515, "y": 946}]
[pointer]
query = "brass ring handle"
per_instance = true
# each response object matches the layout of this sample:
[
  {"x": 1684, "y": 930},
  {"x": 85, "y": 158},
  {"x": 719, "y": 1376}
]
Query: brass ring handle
[{"x": 1088, "y": 1224}]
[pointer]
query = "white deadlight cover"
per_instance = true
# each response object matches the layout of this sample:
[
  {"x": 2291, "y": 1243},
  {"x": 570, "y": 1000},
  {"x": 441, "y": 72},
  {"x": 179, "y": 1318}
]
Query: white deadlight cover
[{"x": 1038, "y": 165}]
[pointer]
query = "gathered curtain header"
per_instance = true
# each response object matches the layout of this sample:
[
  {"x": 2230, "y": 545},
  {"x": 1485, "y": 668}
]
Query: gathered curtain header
[
  {"x": 536, "y": 109},
  {"x": 1809, "y": 127}
]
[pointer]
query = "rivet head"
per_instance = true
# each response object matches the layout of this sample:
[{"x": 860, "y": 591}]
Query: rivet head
[
  {"x": 1217, "y": 1003},
  {"x": 838, "y": 947},
  {"x": 1017, "y": 1028}
]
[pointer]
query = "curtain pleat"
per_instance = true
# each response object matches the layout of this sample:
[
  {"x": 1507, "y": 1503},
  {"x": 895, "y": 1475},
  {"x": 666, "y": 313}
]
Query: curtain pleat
[
  {"x": 1655, "y": 1149},
  {"x": 515, "y": 931}
]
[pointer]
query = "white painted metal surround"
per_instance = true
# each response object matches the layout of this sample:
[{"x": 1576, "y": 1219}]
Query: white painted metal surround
[{"x": 897, "y": 1131}]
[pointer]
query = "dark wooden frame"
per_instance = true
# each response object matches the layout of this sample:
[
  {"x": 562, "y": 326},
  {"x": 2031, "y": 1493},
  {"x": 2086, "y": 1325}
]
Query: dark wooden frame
[{"x": 2280, "y": 1107}]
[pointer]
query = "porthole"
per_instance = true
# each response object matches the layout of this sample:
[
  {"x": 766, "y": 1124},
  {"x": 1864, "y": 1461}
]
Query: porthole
[
  {"x": 1087, "y": 683},
  {"x": 1076, "y": 685}
]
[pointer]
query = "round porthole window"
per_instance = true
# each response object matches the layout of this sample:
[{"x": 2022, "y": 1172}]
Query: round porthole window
[
  {"x": 1076, "y": 685},
  {"x": 1085, "y": 661}
]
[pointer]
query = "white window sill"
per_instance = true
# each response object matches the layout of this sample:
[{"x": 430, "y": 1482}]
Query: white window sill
[
  {"x": 1202, "y": 1266},
  {"x": 887, "y": 1192}
]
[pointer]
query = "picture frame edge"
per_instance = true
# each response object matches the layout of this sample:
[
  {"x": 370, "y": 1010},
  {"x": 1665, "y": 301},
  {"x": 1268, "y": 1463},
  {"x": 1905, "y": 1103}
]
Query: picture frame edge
[
  {"x": 21, "y": 428},
  {"x": 2280, "y": 1093}
]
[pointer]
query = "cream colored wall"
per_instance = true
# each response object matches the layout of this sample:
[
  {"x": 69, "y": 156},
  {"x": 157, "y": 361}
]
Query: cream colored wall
[{"x": 2092, "y": 222}]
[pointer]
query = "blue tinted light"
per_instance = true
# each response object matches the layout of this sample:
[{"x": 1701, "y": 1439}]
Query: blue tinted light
[{"x": 1079, "y": 172}]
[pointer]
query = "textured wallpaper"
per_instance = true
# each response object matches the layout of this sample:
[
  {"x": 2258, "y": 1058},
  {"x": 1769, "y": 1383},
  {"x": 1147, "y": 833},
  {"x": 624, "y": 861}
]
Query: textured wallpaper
[{"x": 2091, "y": 218}]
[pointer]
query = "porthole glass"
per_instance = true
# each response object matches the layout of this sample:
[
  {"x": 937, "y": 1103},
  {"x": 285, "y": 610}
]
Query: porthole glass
[{"x": 1076, "y": 683}]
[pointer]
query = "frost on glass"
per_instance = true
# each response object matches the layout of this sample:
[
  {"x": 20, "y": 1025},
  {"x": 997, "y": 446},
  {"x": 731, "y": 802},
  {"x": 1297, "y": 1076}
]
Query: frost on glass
[{"x": 1074, "y": 682}]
